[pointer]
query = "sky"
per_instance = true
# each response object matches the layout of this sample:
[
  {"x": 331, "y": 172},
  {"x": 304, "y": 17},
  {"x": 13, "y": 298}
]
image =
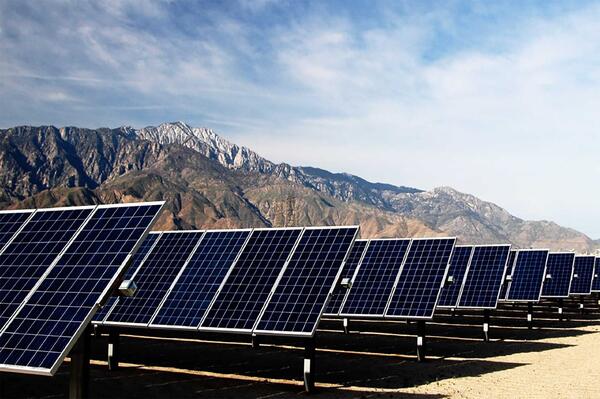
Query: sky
[{"x": 497, "y": 99}]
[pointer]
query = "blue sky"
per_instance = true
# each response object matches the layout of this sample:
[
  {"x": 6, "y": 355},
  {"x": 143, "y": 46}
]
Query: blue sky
[{"x": 498, "y": 99}]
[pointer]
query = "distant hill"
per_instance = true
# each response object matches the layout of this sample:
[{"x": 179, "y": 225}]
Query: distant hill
[{"x": 209, "y": 182}]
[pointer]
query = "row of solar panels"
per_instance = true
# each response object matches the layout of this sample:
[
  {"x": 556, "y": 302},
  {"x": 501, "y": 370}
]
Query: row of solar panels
[
  {"x": 56, "y": 267},
  {"x": 265, "y": 281}
]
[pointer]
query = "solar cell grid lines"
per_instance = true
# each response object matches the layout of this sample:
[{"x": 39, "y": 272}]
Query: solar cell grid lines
[
  {"x": 241, "y": 298},
  {"x": 300, "y": 295},
  {"x": 154, "y": 277},
  {"x": 32, "y": 251},
  {"x": 199, "y": 281},
  {"x": 49, "y": 322},
  {"x": 10, "y": 223},
  {"x": 596, "y": 279},
  {"x": 583, "y": 272},
  {"x": 528, "y": 275},
  {"x": 560, "y": 269},
  {"x": 374, "y": 278},
  {"x": 354, "y": 257},
  {"x": 421, "y": 278},
  {"x": 510, "y": 264},
  {"x": 484, "y": 277},
  {"x": 459, "y": 263}
]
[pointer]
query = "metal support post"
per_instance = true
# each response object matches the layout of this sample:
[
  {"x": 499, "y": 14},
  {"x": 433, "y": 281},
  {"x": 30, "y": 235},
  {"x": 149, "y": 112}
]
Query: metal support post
[
  {"x": 309, "y": 365},
  {"x": 421, "y": 340},
  {"x": 486, "y": 325},
  {"x": 80, "y": 367}
]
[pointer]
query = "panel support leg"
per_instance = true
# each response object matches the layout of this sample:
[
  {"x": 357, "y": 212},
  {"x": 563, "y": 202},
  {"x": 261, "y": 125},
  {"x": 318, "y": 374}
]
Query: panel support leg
[
  {"x": 421, "y": 340},
  {"x": 581, "y": 305},
  {"x": 309, "y": 366},
  {"x": 345, "y": 324},
  {"x": 80, "y": 367},
  {"x": 486, "y": 325},
  {"x": 560, "y": 309},
  {"x": 255, "y": 342},
  {"x": 113, "y": 349},
  {"x": 530, "y": 315}
]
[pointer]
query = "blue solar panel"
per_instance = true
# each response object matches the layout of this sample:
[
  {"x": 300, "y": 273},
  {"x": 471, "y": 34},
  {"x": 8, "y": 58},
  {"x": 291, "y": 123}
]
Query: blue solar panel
[
  {"x": 596, "y": 279},
  {"x": 10, "y": 223},
  {"x": 528, "y": 275},
  {"x": 44, "y": 329},
  {"x": 139, "y": 256},
  {"x": 484, "y": 277},
  {"x": 240, "y": 300},
  {"x": 32, "y": 252},
  {"x": 510, "y": 265},
  {"x": 583, "y": 272},
  {"x": 459, "y": 262},
  {"x": 421, "y": 278},
  {"x": 560, "y": 270},
  {"x": 307, "y": 282},
  {"x": 197, "y": 285},
  {"x": 154, "y": 277},
  {"x": 356, "y": 253},
  {"x": 374, "y": 279}
]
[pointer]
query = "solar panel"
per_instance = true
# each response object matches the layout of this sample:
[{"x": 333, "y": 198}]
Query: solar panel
[
  {"x": 300, "y": 296},
  {"x": 528, "y": 275},
  {"x": 154, "y": 277},
  {"x": 374, "y": 279},
  {"x": 583, "y": 272},
  {"x": 420, "y": 280},
  {"x": 560, "y": 270},
  {"x": 484, "y": 277},
  {"x": 138, "y": 258},
  {"x": 46, "y": 327},
  {"x": 459, "y": 262},
  {"x": 199, "y": 281},
  {"x": 509, "y": 269},
  {"x": 11, "y": 222},
  {"x": 596, "y": 279},
  {"x": 354, "y": 257},
  {"x": 32, "y": 251},
  {"x": 241, "y": 298}
]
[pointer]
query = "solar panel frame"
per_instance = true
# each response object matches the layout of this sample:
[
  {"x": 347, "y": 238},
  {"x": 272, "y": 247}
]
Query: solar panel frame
[
  {"x": 352, "y": 277},
  {"x": 193, "y": 328},
  {"x": 596, "y": 278},
  {"x": 439, "y": 291},
  {"x": 464, "y": 277},
  {"x": 508, "y": 290},
  {"x": 329, "y": 294},
  {"x": 510, "y": 266},
  {"x": 101, "y": 298},
  {"x": 458, "y": 305},
  {"x": 358, "y": 269},
  {"x": 581, "y": 292},
  {"x": 570, "y": 275},
  {"x": 227, "y": 276}
]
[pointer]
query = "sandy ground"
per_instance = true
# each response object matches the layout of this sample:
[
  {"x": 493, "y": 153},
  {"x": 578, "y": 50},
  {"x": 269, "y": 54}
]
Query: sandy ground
[{"x": 553, "y": 360}]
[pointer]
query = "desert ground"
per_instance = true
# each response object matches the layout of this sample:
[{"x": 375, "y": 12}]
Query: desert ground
[{"x": 554, "y": 359}]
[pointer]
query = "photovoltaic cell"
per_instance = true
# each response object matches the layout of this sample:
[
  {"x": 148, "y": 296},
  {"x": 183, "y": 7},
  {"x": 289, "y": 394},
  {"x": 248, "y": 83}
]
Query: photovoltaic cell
[
  {"x": 528, "y": 276},
  {"x": 458, "y": 268},
  {"x": 10, "y": 222},
  {"x": 421, "y": 278},
  {"x": 596, "y": 279},
  {"x": 247, "y": 287},
  {"x": 154, "y": 277},
  {"x": 197, "y": 285},
  {"x": 138, "y": 257},
  {"x": 560, "y": 268},
  {"x": 509, "y": 270},
  {"x": 374, "y": 279},
  {"x": 43, "y": 330},
  {"x": 301, "y": 294},
  {"x": 356, "y": 253},
  {"x": 32, "y": 252},
  {"x": 583, "y": 272},
  {"x": 484, "y": 277}
]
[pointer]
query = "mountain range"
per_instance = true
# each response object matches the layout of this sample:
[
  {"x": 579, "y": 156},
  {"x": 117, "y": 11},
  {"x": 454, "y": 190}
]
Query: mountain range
[{"x": 209, "y": 182}]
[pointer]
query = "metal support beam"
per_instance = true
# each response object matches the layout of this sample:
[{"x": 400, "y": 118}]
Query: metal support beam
[
  {"x": 486, "y": 325},
  {"x": 113, "y": 349},
  {"x": 581, "y": 305},
  {"x": 560, "y": 309},
  {"x": 530, "y": 315},
  {"x": 255, "y": 342},
  {"x": 346, "y": 324},
  {"x": 309, "y": 365},
  {"x": 421, "y": 340},
  {"x": 80, "y": 367}
]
